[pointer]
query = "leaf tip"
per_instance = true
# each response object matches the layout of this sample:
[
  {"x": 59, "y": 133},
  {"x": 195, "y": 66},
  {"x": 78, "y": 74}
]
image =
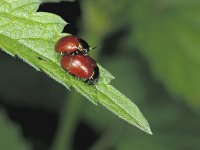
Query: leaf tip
[{"x": 147, "y": 129}]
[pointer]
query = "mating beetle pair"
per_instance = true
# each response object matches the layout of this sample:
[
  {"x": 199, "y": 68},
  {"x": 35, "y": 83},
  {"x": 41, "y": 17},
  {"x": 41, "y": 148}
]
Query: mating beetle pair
[{"x": 76, "y": 60}]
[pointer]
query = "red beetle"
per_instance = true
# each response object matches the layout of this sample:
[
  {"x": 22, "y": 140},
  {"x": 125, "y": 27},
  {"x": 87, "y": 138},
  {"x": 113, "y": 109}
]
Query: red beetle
[
  {"x": 72, "y": 44},
  {"x": 81, "y": 66}
]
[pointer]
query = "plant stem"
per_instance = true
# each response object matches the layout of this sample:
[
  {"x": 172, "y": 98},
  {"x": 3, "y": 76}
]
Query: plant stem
[{"x": 68, "y": 121}]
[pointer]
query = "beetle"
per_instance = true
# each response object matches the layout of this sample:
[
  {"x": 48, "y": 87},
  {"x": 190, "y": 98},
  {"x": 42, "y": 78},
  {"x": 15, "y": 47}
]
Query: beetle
[
  {"x": 81, "y": 66},
  {"x": 72, "y": 44}
]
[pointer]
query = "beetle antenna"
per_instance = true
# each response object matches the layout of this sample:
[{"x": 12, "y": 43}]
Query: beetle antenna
[
  {"x": 91, "y": 48},
  {"x": 94, "y": 47}
]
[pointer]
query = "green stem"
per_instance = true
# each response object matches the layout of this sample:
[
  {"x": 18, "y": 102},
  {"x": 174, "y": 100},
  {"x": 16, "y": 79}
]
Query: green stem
[{"x": 68, "y": 121}]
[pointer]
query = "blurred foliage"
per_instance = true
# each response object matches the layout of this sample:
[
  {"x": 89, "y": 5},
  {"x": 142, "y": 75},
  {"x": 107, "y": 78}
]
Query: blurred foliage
[
  {"x": 166, "y": 32},
  {"x": 152, "y": 48},
  {"x": 11, "y": 136}
]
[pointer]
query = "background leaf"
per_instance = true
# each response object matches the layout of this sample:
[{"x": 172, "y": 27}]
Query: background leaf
[
  {"x": 172, "y": 44},
  {"x": 136, "y": 31},
  {"x": 165, "y": 32}
]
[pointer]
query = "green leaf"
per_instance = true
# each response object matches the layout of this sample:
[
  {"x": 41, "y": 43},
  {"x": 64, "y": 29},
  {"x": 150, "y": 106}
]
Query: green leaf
[
  {"x": 31, "y": 36},
  {"x": 122, "y": 106},
  {"x": 129, "y": 82},
  {"x": 11, "y": 136}
]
